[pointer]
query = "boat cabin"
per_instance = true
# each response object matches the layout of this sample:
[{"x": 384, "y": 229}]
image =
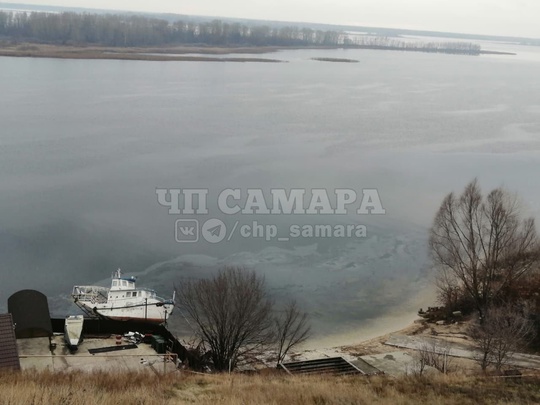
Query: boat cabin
[
  {"x": 119, "y": 284},
  {"x": 139, "y": 293}
]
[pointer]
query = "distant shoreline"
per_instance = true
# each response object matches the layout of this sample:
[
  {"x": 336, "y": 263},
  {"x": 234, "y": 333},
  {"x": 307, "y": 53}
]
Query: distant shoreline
[
  {"x": 342, "y": 60},
  {"x": 158, "y": 54},
  {"x": 185, "y": 53},
  {"x": 497, "y": 53}
]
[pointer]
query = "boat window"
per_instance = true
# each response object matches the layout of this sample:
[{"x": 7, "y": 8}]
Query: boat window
[
  {"x": 128, "y": 294},
  {"x": 114, "y": 283},
  {"x": 124, "y": 283}
]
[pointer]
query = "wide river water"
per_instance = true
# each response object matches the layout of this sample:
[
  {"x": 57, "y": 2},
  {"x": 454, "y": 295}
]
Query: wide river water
[{"x": 84, "y": 144}]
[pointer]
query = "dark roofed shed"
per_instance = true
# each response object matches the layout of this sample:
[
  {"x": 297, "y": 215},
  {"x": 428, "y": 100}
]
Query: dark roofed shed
[{"x": 30, "y": 311}]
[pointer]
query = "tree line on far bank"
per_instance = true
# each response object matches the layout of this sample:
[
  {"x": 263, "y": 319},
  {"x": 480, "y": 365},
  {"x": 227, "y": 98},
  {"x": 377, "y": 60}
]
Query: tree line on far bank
[
  {"x": 134, "y": 30},
  {"x": 117, "y": 30}
]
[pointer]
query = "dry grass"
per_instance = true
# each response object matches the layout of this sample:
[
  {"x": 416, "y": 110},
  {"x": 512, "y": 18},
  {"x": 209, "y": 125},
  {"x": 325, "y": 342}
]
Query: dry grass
[
  {"x": 161, "y": 54},
  {"x": 271, "y": 388}
]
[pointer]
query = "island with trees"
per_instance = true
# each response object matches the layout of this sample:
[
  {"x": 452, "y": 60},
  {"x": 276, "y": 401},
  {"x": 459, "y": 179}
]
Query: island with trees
[{"x": 132, "y": 36}]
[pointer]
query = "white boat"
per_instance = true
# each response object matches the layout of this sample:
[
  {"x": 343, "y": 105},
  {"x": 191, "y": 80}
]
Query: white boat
[
  {"x": 123, "y": 301},
  {"x": 73, "y": 328}
]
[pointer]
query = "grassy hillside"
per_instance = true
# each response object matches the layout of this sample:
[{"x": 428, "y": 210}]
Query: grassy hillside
[{"x": 185, "y": 388}]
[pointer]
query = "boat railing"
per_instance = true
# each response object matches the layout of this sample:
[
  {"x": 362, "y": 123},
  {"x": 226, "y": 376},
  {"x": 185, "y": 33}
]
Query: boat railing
[
  {"x": 94, "y": 294},
  {"x": 156, "y": 297},
  {"x": 152, "y": 294}
]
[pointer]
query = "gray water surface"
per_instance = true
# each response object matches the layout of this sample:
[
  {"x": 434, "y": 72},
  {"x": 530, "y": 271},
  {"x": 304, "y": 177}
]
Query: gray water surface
[{"x": 85, "y": 143}]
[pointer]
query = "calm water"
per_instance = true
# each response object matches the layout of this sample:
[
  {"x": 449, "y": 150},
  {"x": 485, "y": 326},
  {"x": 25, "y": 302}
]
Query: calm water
[{"x": 85, "y": 144}]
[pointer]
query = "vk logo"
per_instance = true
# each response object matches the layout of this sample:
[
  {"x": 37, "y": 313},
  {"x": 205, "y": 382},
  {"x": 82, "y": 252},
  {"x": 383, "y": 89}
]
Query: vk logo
[{"x": 186, "y": 230}]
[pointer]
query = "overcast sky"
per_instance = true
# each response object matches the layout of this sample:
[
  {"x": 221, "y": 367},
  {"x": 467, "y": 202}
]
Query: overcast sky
[{"x": 497, "y": 17}]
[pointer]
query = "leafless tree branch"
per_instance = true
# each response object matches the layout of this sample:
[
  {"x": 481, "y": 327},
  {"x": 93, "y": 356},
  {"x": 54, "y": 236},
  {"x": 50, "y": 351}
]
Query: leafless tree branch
[{"x": 481, "y": 244}]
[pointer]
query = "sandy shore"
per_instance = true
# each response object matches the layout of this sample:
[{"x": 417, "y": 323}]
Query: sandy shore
[
  {"x": 377, "y": 346},
  {"x": 372, "y": 329},
  {"x": 395, "y": 320}
]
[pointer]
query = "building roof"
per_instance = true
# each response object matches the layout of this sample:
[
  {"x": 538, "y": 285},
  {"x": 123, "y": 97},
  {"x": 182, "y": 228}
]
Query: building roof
[{"x": 9, "y": 356}]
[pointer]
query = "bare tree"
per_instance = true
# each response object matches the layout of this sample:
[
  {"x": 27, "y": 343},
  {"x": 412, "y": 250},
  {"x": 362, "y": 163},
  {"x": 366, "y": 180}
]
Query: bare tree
[
  {"x": 418, "y": 363},
  {"x": 482, "y": 243},
  {"x": 292, "y": 329},
  {"x": 449, "y": 291},
  {"x": 440, "y": 356},
  {"x": 232, "y": 314},
  {"x": 434, "y": 354},
  {"x": 484, "y": 343},
  {"x": 504, "y": 330}
]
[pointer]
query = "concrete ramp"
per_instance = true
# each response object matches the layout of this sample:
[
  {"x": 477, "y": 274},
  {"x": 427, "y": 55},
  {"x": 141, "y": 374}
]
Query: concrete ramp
[{"x": 458, "y": 350}]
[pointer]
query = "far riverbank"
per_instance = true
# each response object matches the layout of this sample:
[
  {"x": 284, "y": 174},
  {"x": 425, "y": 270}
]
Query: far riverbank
[{"x": 180, "y": 53}]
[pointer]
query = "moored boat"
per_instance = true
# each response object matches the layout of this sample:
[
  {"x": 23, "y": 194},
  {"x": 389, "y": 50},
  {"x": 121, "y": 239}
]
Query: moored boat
[
  {"x": 73, "y": 328},
  {"x": 123, "y": 301}
]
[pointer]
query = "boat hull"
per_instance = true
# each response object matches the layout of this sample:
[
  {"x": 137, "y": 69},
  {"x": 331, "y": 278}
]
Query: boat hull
[
  {"x": 73, "y": 328},
  {"x": 153, "y": 313}
]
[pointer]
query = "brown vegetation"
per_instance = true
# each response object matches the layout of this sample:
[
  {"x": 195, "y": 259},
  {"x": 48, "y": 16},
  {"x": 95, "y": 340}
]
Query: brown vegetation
[
  {"x": 436, "y": 354},
  {"x": 146, "y": 54},
  {"x": 482, "y": 247},
  {"x": 504, "y": 331},
  {"x": 233, "y": 317},
  {"x": 231, "y": 313},
  {"x": 272, "y": 388}
]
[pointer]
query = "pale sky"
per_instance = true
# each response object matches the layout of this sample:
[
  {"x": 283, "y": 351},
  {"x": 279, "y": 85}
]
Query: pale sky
[{"x": 496, "y": 17}]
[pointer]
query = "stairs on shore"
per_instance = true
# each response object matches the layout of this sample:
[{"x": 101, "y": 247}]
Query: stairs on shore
[{"x": 330, "y": 365}]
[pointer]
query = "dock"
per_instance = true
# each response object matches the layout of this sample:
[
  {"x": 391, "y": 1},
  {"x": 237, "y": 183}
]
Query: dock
[{"x": 104, "y": 348}]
